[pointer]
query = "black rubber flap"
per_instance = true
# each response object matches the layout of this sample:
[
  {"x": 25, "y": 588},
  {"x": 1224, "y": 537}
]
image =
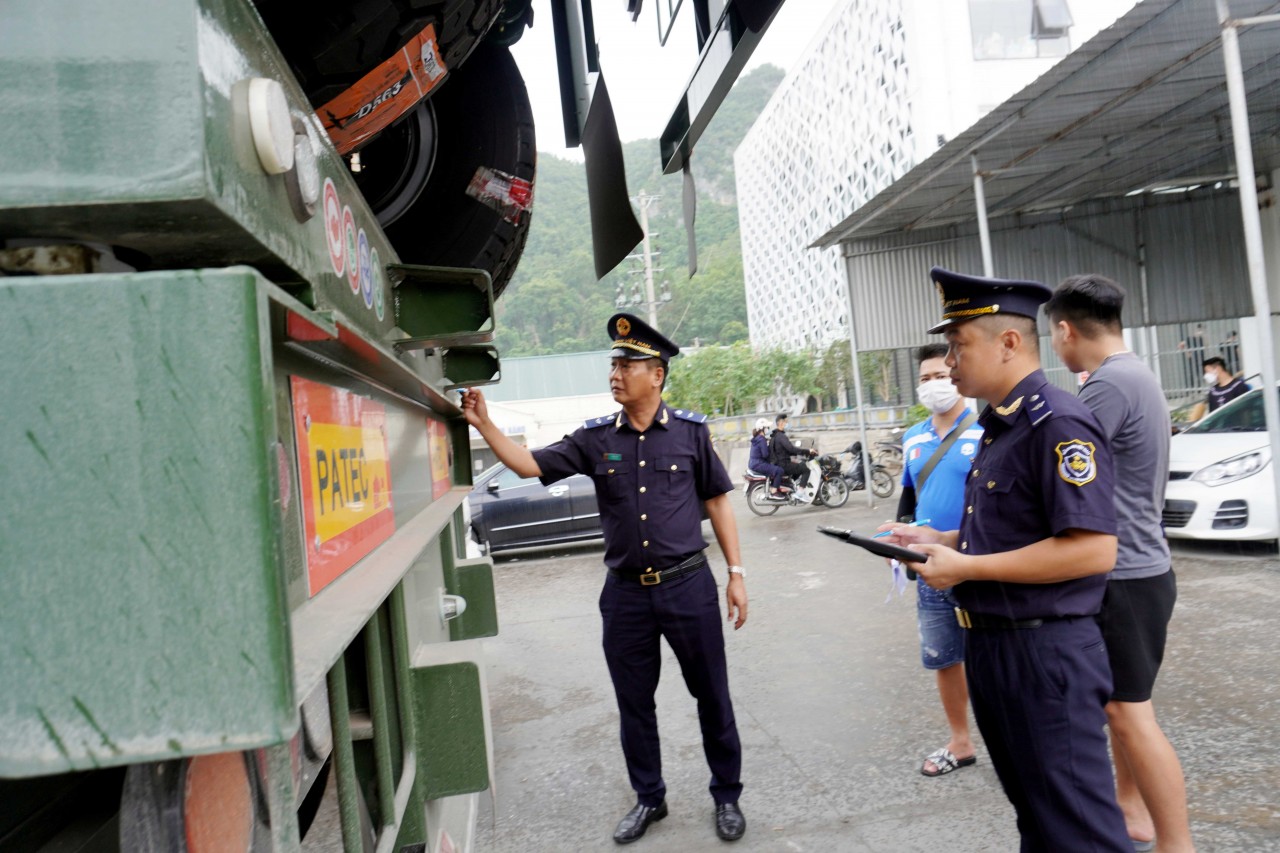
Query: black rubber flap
[{"x": 614, "y": 229}]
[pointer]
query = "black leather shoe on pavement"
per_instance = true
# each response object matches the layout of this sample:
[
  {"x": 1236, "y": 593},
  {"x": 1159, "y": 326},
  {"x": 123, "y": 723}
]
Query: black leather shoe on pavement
[
  {"x": 637, "y": 821},
  {"x": 730, "y": 824}
]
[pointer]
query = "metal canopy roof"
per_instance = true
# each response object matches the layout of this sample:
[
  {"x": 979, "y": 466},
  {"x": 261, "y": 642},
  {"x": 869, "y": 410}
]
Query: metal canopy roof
[{"x": 1140, "y": 106}]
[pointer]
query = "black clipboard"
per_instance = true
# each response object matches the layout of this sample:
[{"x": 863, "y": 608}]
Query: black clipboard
[{"x": 876, "y": 546}]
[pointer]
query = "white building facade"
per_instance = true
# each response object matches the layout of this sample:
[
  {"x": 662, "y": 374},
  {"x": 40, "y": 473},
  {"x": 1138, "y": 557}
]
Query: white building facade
[{"x": 883, "y": 86}]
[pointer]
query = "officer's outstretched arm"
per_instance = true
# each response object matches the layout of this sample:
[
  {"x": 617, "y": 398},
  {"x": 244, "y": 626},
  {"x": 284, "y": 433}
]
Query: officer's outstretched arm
[{"x": 514, "y": 456}]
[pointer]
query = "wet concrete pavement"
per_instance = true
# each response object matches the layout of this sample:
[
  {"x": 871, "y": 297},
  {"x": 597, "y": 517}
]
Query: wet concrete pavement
[{"x": 835, "y": 711}]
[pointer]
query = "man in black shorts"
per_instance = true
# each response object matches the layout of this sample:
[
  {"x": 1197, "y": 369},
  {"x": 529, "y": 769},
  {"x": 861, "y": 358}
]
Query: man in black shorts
[{"x": 1126, "y": 398}]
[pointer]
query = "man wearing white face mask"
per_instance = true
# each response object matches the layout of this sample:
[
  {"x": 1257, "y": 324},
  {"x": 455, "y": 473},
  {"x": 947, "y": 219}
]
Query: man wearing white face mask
[
  {"x": 937, "y": 454},
  {"x": 1223, "y": 387}
]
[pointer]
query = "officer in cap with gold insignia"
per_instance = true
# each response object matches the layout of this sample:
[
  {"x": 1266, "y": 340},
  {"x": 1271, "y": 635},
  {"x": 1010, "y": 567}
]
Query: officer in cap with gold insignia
[
  {"x": 1029, "y": 567},
  {"x": 654, "y": 471}
]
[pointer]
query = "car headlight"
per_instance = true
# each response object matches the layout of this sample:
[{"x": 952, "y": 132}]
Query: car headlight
[{"x": 1235, "y": 468}]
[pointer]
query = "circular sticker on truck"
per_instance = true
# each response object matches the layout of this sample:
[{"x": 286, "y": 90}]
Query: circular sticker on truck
[
  {"x": 351, "y": 245},
  {"x": 333, "y": 227},
  {"x": 379, "y": 300},
  {"x": 366, "y": 270}
]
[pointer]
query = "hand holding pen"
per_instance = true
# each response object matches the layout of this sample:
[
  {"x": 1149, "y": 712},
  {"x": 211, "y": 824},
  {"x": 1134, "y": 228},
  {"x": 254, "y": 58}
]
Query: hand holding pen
[{"x": 921, "y": 523}]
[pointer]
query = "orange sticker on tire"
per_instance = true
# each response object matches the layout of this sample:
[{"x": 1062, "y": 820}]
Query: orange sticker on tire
[{"x": 385, "y": 93}]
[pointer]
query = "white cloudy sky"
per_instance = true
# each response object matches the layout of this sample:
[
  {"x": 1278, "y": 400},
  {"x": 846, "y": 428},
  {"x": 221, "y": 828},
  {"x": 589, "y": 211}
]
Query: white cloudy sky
[{"x": 645, "y": 80}]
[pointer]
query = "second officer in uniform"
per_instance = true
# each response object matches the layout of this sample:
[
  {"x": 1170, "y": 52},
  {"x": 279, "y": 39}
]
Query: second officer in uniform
[
  {"x": 1029, "y": 566},
  {"x": 654, "y": 470}
]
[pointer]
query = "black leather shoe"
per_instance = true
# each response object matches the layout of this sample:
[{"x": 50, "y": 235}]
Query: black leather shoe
[
  {"x": 637, "y": 821},
  {"x": 730, "y": 824}
]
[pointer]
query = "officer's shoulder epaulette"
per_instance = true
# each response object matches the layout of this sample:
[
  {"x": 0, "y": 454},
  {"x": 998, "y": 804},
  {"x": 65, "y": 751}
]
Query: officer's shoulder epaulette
[
  {"x": 592, "y": 423},
  {"x": 689, "y": 415},
  {"x": 1039, "y": 410}
]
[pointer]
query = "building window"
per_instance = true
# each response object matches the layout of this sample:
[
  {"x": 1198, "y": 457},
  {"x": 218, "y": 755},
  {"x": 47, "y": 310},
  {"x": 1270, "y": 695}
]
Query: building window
[{"x": 1020, "y": 29}]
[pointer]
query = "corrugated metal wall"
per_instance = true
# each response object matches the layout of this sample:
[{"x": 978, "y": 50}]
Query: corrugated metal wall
[{"x": 1194, "y": 253}]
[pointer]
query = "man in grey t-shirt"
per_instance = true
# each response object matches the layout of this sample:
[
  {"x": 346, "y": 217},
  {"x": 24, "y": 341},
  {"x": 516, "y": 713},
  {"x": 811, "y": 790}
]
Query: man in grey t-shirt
[{"x": 1125, "y": 397}]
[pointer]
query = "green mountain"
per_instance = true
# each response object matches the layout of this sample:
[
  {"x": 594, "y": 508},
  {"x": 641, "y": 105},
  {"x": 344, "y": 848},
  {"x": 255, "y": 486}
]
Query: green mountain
[{"x": 554, "y": 303}]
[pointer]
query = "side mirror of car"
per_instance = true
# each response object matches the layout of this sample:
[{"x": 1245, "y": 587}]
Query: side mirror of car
[{"x": 493, "y": 486}]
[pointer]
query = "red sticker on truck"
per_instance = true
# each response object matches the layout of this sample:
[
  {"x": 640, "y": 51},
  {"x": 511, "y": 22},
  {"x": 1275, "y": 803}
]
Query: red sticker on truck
[
  {"x": 333, "y": 227},
  {"x": 441, "y": 452},
  {"x": 508, "y": 195},
  {"x": 345, "y": 475},
  {"x": 385, "y": 93}
]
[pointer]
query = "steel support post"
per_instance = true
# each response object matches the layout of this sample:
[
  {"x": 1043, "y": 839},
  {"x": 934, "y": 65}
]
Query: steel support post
[
  {"x": 980, "y": 201},
  {"x": 857, "y": 387},
  {"x": 1252, "y": 226}
]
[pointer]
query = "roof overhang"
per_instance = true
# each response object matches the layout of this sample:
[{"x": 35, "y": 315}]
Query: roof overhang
[{"x": 1140, "y": 107}]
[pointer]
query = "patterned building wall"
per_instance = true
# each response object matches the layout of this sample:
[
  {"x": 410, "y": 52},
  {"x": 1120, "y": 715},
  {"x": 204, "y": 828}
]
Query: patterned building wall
[
  {"x": 837, "y": 132},
  {"x": 874, "y": 96}
]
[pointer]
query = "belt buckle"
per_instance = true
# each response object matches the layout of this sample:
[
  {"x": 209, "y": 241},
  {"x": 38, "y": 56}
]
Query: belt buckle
[
  {"x": 651, "y": 579},
  {"x": 962, "y": 617}
]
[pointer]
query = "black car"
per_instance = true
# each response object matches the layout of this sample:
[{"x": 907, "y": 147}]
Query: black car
[{"x": 510, "y": 511}]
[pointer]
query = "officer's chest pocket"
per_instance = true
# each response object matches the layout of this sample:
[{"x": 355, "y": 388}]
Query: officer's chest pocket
[
  {"x": 673, "y": 475},
  {"x": 614, "y": 480},
  {"x": 994, "y": 487}
]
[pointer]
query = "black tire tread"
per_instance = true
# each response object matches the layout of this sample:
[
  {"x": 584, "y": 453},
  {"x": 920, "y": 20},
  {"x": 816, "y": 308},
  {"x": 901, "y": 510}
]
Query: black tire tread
[{"x": 483, "y": 119}]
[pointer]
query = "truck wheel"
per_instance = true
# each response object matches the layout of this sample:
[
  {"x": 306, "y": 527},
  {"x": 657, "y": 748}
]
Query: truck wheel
[
  {"x": 333, "y": 43},
  {"x": 482, "y": 119}
]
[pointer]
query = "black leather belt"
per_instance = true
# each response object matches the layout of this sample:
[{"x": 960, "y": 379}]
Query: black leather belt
[
  {"x": 697, "y": 561},
  {"x": 998, "y": 623}
]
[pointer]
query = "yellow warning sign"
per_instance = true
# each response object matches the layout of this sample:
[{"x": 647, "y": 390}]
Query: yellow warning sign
[{"x": 349, "y": 476}]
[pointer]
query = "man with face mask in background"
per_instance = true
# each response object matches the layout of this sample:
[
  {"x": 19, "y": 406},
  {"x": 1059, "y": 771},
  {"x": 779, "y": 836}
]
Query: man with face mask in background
[
  {"x": 937, "y": 454},
  {"x": 1223, "y": 388}
]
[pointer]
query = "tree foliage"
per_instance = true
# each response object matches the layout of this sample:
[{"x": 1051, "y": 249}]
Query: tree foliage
[
  {"x": 554, "y": 303},
  {"x": 731, "y": 380}
]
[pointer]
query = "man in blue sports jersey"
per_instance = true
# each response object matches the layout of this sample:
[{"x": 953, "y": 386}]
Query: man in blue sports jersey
[{"x": 937, "y": 454}]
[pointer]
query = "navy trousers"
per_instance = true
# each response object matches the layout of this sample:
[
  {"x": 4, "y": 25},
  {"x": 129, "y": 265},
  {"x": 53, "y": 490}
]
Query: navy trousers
[
  {"x": 687, "y": 612},
  {"x": 1038, "y": 695}
]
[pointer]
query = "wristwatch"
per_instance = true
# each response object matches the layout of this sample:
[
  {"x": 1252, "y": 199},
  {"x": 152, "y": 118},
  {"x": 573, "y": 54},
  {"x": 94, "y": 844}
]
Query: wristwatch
[{"x": 738, "y": 570}]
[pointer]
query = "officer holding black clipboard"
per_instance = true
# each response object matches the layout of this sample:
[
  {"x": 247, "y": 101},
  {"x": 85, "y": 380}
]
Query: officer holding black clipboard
[{"x": 1028, "y": 566}]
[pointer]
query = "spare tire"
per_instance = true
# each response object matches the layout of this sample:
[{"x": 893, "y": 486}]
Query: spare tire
[
  {"x": 331, "y": 44},
  {"x": 482, "y": 120}
]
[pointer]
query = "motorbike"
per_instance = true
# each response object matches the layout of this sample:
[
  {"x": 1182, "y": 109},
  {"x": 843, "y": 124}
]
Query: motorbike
[
  {"x": 826, "y": 487},
  {"x": 881, "y": 478},
  {"x": 889, "y": 453}
]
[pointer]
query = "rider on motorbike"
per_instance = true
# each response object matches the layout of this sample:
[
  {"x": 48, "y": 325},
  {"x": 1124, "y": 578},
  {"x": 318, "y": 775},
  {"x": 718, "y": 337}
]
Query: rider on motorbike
[
  {"x": 759, "y": 461},
  {"x": 781, "y": 450}
]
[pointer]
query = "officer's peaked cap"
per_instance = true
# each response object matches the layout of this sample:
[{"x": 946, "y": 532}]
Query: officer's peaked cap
[
  {"x": 634, "y": 338},
  {"x": 965, "y": 297}
]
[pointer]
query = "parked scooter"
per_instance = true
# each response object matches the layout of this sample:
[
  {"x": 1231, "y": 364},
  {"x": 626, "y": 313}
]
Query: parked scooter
[
  {"x": 826, "y": 487},
  {"x": 881, "y": 480},
  {"x": 889, "y": 452}
]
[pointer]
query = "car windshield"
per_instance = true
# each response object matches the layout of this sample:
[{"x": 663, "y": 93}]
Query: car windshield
[{"x": 1243, "y": 415}]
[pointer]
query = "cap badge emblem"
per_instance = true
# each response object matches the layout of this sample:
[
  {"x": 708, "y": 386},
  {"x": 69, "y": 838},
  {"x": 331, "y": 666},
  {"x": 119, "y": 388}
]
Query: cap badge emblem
[{"x": 624, "y": 326}]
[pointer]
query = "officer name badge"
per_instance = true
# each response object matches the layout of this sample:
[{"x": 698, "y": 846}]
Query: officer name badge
[{"x": 1075, "y": 462}]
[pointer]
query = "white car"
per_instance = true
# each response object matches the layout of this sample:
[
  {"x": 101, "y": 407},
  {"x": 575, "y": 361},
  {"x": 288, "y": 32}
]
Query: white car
[{"x": 1221, "y": 480}]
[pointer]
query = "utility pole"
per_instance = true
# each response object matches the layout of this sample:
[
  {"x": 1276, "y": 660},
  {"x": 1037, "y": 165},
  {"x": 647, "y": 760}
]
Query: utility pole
[{"x": 646, "y": 255}]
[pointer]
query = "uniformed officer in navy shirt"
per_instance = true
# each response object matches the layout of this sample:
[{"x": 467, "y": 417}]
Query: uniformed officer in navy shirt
[
  {"x": 654, "y": 470},
  {"x": 1029, "y": 567}
]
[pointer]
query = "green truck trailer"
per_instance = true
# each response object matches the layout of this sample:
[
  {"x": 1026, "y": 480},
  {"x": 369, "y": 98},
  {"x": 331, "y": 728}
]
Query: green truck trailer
[{"x": 250, "y": 255}]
